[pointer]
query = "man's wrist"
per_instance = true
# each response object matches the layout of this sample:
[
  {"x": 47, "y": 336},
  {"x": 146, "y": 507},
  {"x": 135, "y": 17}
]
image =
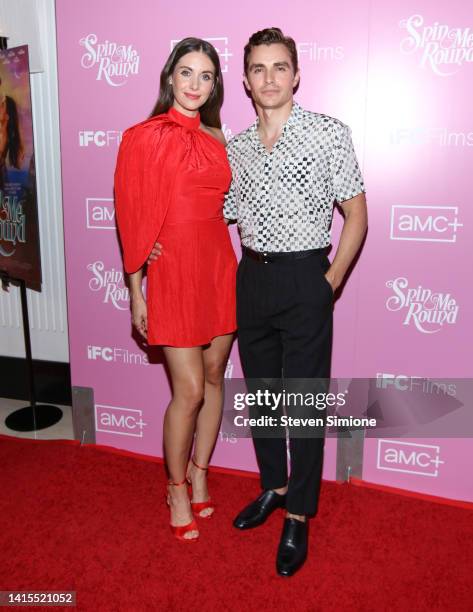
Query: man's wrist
[{"x": 334, "y": 278}]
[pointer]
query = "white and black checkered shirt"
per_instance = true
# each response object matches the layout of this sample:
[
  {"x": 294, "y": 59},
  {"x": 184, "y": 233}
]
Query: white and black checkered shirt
[{"x": 283, "y": 200}]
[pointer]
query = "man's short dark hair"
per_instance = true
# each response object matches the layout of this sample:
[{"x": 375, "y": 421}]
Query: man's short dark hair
[{"x": 271, "y": 36}]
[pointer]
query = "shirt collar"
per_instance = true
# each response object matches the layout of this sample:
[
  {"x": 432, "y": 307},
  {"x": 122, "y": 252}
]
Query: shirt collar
[{"x": 293, "y": 121}]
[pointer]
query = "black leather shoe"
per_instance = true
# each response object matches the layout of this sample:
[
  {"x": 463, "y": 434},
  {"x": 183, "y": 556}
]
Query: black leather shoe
[
  {"x": 292, "y": 551},
  {"x": 258, "y": 511}
]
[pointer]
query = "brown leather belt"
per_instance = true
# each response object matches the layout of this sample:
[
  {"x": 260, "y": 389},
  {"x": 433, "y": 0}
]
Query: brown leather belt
[{"x": 265, "y": 257}]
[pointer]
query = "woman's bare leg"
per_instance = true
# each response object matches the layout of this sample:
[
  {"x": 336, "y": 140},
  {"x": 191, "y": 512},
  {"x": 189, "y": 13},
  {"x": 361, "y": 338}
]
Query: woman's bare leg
[
  {"x": 186, "y": 367},
  {"x": 215, "y": 358}
]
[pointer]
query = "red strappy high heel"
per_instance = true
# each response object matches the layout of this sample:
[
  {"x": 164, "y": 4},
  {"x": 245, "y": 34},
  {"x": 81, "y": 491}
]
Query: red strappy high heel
[
  {"x": 198, "y": 507},
  {"x": 180, "y": 531}
]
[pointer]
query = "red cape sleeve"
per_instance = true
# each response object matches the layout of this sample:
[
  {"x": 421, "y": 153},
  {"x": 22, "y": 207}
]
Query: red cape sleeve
[{"x": 147, "y": 165}]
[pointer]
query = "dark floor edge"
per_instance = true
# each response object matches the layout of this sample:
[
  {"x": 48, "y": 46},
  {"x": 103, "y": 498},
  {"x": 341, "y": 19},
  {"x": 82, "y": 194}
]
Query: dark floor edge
[
  {"x": 447, "y": 501},
  {"x": 52, "y": 380}
]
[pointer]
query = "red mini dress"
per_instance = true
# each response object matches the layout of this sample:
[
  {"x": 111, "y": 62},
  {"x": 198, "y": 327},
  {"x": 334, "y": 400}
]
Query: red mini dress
[{"x": 170, "y": 182}]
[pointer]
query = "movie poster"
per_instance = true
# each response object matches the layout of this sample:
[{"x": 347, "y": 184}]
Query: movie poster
[{"x": 19, "y": 235}]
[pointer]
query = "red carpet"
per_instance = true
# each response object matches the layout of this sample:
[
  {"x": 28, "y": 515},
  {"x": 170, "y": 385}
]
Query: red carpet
[{"x": 78, "y": 518}]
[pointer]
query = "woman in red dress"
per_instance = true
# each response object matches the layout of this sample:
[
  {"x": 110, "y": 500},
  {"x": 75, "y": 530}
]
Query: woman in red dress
[{"x": 171, "y": 176}]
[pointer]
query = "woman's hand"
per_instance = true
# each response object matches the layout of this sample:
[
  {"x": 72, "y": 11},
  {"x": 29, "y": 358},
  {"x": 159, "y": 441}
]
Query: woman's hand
[
  {"x": 155, "y": 252},
  {"x": 139, "y": 315}
]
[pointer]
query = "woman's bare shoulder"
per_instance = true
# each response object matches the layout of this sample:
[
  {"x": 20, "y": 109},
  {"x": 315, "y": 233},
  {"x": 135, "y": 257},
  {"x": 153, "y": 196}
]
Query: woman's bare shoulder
[{"x": 215, "y": 132}]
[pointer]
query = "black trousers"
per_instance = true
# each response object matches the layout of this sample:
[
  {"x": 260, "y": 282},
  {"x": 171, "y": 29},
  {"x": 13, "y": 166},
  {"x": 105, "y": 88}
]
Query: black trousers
[{"x": 284, "y": 313}]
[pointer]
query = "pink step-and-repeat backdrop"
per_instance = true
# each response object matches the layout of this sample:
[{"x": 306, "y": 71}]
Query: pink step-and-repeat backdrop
[{"x": 400, "y": 75}]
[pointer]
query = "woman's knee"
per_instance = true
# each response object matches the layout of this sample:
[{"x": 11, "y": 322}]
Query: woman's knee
[
  {"x": 190, "y": 393},
  {"x": 215, "y": 372}
]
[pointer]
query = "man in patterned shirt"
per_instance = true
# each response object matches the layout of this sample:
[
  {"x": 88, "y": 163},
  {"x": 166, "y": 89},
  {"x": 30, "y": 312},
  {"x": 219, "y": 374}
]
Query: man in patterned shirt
[{"x": 288, "y": 169}]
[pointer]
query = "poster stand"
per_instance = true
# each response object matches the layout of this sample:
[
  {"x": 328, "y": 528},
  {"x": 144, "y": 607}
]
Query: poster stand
[{"x": 34, "y": 416}]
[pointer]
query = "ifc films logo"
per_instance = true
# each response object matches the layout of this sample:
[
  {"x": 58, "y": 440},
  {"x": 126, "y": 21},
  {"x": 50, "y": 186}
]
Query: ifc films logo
[
  {"x": 116, "y": 354},
  {"x": 100, "y": 138}
]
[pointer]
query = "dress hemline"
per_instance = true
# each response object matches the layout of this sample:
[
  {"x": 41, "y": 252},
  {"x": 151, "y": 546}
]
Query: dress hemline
[{"x": 194, "y": 344}]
